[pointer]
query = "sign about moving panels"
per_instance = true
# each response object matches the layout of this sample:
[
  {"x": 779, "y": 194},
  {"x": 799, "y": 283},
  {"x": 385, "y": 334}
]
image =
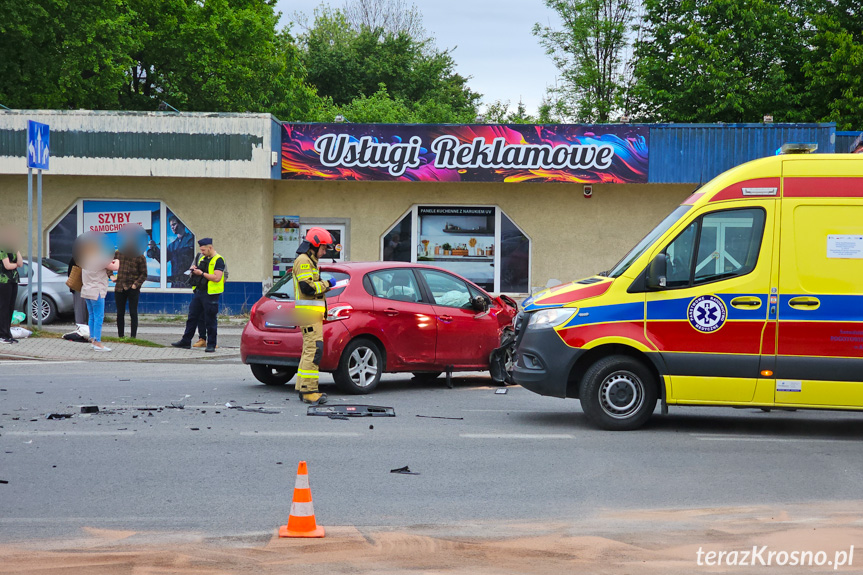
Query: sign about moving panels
[{"x": 465, "y": 153}]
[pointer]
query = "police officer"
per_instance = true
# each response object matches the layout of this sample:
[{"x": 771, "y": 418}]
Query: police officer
[
  {"x": 310, "y": 309},
  {"x": 208, "y": 277}
]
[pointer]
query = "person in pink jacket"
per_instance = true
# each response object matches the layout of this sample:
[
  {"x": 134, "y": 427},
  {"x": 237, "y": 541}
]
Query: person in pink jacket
[{"x": 97, "y": 265}]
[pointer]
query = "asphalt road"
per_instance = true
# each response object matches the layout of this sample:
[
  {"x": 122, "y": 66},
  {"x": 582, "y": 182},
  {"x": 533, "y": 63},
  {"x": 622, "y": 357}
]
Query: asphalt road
[{"x": 512, "y": 457}]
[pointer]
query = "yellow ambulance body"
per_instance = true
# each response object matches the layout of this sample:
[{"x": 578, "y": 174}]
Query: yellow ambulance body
[{"x": 749, "y": 294}]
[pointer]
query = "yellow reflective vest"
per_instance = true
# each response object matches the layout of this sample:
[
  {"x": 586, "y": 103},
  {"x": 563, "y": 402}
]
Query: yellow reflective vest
[{"x": 311, "y": 307}]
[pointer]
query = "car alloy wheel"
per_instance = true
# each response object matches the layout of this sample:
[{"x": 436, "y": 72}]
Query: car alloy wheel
[{"x": 363, "y": 367}]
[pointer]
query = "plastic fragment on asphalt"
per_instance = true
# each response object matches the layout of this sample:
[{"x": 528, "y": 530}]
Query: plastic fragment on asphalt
[
  {"x": 438, "y": 417},
  {"x": 3, "y": 481},
  {"x": 58, "y": 416},
  {"x": 249, "y": 410},
  {"x": 404, "y": 471},
  {"x": 352, "y": 410},
  {"x": 89, "y": 409},
  {"x": 501, "y": 391},
  {"x": 339, "y": 416}
]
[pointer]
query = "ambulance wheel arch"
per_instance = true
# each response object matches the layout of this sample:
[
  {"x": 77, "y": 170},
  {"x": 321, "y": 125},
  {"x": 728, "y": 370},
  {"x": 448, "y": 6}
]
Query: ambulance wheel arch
[
  {"x": 170, "y": 249},
  {"x": 651, "y": 362},
  {"x": 480, "y": 243}
]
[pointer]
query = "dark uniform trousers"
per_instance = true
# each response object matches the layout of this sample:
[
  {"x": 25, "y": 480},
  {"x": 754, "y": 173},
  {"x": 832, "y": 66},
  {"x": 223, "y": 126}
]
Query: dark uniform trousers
[{"x": 203, "y": 309}]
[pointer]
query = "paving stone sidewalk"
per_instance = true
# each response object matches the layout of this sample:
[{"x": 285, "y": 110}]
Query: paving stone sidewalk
[{"x": 62, "y": 350}]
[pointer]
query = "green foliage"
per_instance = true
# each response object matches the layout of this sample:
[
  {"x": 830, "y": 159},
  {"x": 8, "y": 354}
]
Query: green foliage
[
  {"x": 589, "y": 52},
  {"x": 498, "y": 112},
  {"x": 63, "y": 53},
  {"x": 350, "y": 64},
  {"x": 717, "y": 61},
  {"x": 739, "y": 60}
]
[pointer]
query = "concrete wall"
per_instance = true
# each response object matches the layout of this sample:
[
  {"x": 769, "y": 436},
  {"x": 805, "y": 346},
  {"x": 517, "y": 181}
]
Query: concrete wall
[
  {"x": 572, "y": 237},
  {"x": 237, "y": 214}
]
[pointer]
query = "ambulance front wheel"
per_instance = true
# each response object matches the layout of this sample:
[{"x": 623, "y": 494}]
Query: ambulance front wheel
[{"x": 618, "y": 393}]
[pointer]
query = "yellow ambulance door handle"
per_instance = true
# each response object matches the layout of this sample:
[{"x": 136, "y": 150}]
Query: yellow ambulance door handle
[
  {"x": 746, "y": 302},
  {"x": 810, "y": 303}
]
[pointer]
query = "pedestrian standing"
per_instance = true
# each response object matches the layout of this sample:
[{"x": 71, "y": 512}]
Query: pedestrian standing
[
  {"x": 130, "y": 277},
  {"x": 310, "y": 309},
  {"x": 96, "y": 267},
  {"x": 11, "y": 262},
  {"x": 79, "y": 306},
  {"x": 208, "y": 277}
]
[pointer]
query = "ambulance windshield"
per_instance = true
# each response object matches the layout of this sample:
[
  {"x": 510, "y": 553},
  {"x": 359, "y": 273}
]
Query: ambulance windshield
[{"x": 648, "y": 241}]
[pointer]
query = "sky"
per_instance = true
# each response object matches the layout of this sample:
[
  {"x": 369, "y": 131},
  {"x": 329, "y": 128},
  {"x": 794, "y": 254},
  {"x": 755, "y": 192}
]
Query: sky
[{"x": 493, "y": 43}]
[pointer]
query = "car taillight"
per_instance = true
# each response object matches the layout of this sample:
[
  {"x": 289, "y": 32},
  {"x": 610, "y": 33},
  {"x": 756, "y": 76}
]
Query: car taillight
[
  {"x": 339, "y": 312},
  {"x": 254, "y": 311}
]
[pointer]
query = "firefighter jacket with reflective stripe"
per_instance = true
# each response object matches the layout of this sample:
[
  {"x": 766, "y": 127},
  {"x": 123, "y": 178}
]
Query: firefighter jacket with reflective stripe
[{"x": 306, "y": 272}]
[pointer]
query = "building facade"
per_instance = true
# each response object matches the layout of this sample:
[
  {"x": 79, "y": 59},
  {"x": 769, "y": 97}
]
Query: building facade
[{"x": 513, "y": 208}]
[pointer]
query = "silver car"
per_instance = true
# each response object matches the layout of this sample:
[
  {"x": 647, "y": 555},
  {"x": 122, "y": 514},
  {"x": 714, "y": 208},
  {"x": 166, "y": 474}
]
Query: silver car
[{"x": 56, "y": 297}]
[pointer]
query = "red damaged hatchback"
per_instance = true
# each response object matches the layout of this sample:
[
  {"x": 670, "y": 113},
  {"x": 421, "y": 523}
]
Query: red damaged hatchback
[{"x": 391, "y": 317}]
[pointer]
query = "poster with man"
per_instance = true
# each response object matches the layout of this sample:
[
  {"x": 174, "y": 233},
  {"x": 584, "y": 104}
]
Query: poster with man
[{"x": 179, "y": 254}]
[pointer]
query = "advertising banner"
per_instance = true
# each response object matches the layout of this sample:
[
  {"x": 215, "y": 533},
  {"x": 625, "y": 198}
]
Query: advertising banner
[{"x": 465, "y": 153}]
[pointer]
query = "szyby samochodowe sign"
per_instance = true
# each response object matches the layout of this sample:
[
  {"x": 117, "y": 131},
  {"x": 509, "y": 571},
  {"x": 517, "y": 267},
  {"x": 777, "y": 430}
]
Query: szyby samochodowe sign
[{"x": 465, "y": 153}]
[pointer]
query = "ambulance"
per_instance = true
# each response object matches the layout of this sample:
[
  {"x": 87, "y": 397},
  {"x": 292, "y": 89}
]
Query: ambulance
[{"x": 749, "y": 294}]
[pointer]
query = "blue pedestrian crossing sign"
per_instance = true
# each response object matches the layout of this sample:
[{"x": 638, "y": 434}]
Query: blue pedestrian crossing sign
[{"x": 38, "y": 144}]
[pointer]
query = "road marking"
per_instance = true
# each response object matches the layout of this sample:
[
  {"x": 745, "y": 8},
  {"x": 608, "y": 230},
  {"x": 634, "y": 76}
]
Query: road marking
[
  {"x": 298, "y": 434},
  {"x": 732, "y": 437},
  {"x": 516, "y": 436},
  {"x": 506, "y": 411},
  {"x": 69, "y": 433}
]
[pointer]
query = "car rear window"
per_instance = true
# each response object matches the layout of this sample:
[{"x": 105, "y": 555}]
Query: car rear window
[{"x": 284, "y": 288}]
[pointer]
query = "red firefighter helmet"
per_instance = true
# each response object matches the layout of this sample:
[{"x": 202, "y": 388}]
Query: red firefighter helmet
[{"x": 318, "y": 237}]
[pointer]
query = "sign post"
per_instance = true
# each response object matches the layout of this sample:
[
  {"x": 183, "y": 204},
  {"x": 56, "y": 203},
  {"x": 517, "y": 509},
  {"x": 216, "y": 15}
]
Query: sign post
[{"x": 38, "y": 146}]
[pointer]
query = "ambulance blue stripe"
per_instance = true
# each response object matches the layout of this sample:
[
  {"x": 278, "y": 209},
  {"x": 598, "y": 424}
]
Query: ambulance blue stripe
[
  {"x": 832, "y": 308},
  {"x": 676, "y": 309},
  {"x": 607, "y": 313}
]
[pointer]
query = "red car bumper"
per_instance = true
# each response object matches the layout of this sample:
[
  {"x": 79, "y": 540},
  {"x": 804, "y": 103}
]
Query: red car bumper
[{"x": 284, "y": 347}]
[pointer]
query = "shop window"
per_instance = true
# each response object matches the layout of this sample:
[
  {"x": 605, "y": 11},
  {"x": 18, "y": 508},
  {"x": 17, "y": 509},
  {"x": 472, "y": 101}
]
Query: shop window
[
  {"x": 170, "y": 248},
  {"x": 479, "y": 243},
  {"x": 336, "y": 254}
]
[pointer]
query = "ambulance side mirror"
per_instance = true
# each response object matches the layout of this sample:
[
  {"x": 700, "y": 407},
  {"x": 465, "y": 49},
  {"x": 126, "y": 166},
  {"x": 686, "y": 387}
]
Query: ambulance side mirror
[{"x": 657, "y": 271}]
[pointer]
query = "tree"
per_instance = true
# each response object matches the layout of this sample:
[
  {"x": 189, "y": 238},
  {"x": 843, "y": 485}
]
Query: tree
[
  {"x": 719, "y": 61},
  {"x": 345, "y": 63},
  {"x": 834, "y": 83},
  {"x": 217, "y": 55},
  {"x": 498, "y": 112},
  {"x": 589, "y": 51},
  {"x": 390, "y": 16},
  {"x": 63, "y": 53}
]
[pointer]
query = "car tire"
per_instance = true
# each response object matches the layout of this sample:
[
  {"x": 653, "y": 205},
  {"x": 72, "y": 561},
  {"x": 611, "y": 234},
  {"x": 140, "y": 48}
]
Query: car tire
[
  {"x": 360, "y": 367},
  {"x": 273, "y": 374},
  {"x": 49, "y": 310},
  {"x": 426, "y": 376},
  {"x": 618, "y": 393}
]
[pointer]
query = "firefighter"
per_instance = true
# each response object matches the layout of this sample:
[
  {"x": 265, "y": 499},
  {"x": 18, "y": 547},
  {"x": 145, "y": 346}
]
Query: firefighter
[{"x": 311, "y": 308}]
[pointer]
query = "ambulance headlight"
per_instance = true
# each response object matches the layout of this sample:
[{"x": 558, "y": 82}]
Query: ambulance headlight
[{"x": 548, "y": 318}]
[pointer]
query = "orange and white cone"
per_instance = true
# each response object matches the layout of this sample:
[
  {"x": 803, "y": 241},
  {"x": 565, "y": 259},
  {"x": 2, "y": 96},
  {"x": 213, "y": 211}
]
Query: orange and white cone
[{"x": 301, "y": 522}]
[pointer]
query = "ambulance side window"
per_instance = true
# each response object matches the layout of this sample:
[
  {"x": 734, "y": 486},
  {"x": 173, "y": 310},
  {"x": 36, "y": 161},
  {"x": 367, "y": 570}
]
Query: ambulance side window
[
  {"x": 717, "y": 246},
  {"x": 728, "y": 245},
  {"x": 679, "y": 254}
]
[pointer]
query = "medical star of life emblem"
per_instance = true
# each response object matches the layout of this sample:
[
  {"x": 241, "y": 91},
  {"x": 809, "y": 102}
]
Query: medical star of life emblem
[{"x": 707, "y": 313}]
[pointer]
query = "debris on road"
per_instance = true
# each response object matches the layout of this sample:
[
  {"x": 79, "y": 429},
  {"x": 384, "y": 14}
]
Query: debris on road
[
  {"x": 249, "y": 410},
  {"x": 352, "y": 410},
  {"x": 438, "y": 417},
  {"x": 89, "y": 409},
  {"x": 500, "y": 391},
  {"x": 339, "y": 416},
  {"x": 404, "y": 471},
  {"x": 3, "y": 481},
  {"x": 59, "y": 416}
]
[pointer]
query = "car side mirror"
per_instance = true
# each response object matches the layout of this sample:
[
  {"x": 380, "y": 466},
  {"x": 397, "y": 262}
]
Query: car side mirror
[
  {"x": 657, "y": 272},
  {"x": 479, "y": 304}
]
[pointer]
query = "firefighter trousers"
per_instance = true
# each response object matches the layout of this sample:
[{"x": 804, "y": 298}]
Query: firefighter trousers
[{"x": 313, "y": 350}]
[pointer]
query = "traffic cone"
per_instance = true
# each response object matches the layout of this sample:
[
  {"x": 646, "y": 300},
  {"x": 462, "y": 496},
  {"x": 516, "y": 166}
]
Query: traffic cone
[{"x": 301, "y": 522}]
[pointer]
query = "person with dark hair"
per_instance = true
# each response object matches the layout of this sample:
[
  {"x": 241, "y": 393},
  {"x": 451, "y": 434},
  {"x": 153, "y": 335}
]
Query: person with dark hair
[
  {"x": 127, "y": 288},
  {"x": 10, "y": 261},
  {"x": 857, "y": 145},
  {"x": 208, "y": 276}
]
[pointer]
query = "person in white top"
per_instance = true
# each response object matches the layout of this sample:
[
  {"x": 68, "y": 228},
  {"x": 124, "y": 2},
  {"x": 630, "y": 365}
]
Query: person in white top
[{"x": 97, "y": 265}]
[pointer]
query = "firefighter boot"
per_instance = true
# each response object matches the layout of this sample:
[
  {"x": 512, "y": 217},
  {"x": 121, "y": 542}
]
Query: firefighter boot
[{"x": 313, "y": 398}]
